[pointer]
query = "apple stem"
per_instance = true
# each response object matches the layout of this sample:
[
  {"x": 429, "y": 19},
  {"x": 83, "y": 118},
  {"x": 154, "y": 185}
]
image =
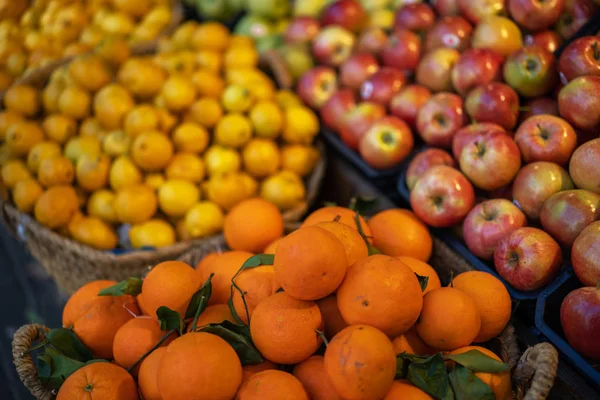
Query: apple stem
[
  {"x": 387, "y": 138},
  {"x": 531, "y": 65},
  {"x": 543, "y": 132}
]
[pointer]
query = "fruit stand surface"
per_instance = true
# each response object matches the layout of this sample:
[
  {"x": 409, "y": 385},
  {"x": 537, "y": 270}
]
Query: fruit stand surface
[{"x": 28, "y": 294}]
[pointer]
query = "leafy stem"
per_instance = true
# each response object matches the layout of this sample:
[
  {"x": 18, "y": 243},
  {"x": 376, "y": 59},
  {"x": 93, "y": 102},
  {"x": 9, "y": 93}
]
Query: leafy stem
[{"x": 156, "y": 346}]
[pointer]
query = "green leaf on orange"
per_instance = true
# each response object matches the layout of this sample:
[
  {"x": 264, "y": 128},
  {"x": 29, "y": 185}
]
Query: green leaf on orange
[
  {"x": 467, "y": 386},
  {"x": 476, "y": 361},
  {"x": 238, "y": 336},
  {"x": 130, "y": 286}
]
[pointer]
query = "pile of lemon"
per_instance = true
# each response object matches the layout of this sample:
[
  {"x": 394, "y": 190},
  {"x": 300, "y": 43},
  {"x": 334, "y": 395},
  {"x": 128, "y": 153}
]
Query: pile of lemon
[
  {"x": 34, "y": 32},
  {"x": 164, "y": 144}
]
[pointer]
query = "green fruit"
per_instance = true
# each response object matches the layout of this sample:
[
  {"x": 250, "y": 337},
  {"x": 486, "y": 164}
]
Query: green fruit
[
  {"x": 309, "y": 8},
  {"x": 270, "y": 42},
  {"x": 274, "y": 9},
  {"x": 214, "y": 9},
  {"x": 298, "y": 59},
  {"x": 253, "y": 26}
]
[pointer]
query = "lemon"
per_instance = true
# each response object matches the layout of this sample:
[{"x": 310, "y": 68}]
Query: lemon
[
  {"x": 179, "y": 93},
  {"x": 151, "y": 151},
  {"x": 208, "y": 83},
  {"x": 14, "y": 171},
  {"x": 237, "y": 98},
  {"x": 56, "y": 206},
  {"x": 267, "y": 119},
  {"x": 261, "y": 157},
  {"x": 190, "y": 137},
  {"x": 227, "y": 190},
  {"x": 210, "y": 36},
  {"x": 236, "y": 57},
  {"x": 186, "y": 166},
  {"x": 154, "y": 180},
  {"x": 22, "y": 137},
  {"x": 93, "y": 232},
  {"x": 206, "y": 111},
  {"x": 92, "y": 171},
  {"x": 176, "y": 196},
  {"x": 123, "y": 173},
  {"x": 301, "y": 125},
  {"x": 40, "y": 152},
  {"x": 234, "y": 130},
  {"x": 141, "y": 119},
  {"x": 116, "y": 143},
  {"x": 284, "y": 189},
  {"x": 26, "y": 193},
  {"x": 287, "y": 99},
  {"x": 56, "y": 171},
  {"x": 181, "y": 230},
  {"x": 299, "y": 158},
  {"x": 75, "y": 102},
  {"x": 135, "y": 204},
  {"x": 111, "y": 104},
  {"x": 8, "y": 118},
  {"x": 204, "y": 219},
  {"x": 154, "y": 233},
  {"x": 182, "y": 36},
  {"x": 100, "y": 205},
  {"x": 92, "y": 127},
  {"x": 220, "y": 160},
  {"x": 213, "y": 60},
  {"x": 82, "y": 145}
]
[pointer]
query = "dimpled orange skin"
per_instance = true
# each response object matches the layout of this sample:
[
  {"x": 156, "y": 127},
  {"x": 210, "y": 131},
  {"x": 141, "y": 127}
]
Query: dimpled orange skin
[
  {"x": 207, "y": 259},
  {"x": 199, "y": 366},
  {"x": 272, "y": 385},
  {"x": 81, "y": 300},
  {"x": 258, "y": 283},
  {"x": 404, "y": 390},
  {"x": 360, "y": 363},
  {"x": 99, "y": 381},
  {"x": 334, "y": 322},
  {"x": 252, "y": 224},
  {"x": 250, "y": 370},
  {"x": 311, "y": 373},
  {"x": 410, "y": 343},
  {"x": 347, "y": 216},
  {"x": 356, "y": 248},
  {"x": 148, "y": 374},
  {"x": 423, "y": 269},
  {"x": 310, "y": 263},
  {"x": 213, "y": 315},
  {"x": 284, "y": 328},
  {"x": 224, "y": 267},
  {"x": 383, "y": 292}
]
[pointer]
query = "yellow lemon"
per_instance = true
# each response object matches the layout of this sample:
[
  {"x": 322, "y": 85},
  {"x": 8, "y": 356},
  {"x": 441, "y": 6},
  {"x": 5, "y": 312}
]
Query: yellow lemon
[
  {"x": 262, "y": 90},
  {"x": 74, "y": 102},
  {"x": 114, "y": 50},
  {"x": 40, "y": 152},
  {"x": 250, "y": 184},
  {"x": 287, "y": 99},
  {"x": 91, "y": 127},
  {"x": 142, "y": 118},
  {"x": 123, "y": 173},
  {"x": 190, "y": 137},
  {"x": 25, "y": 194},
  {"x": 142, "y": 77},
  {"x": 135, "y": 204},
  {"x": 186, "y": 166},
  {"x": 237, "y": 98},
  {"x": 93, "y": 232},
  {"x": 8, "y": 118},
  {"x": 151, "y": 151},
  {"x": 111, "y": 104},
  {"x": 24, "y": 99},
  {"x": 240, "y": 41},
  {"x": 301, "y": 125},
  {"x": 59, "y": 128},
  {"x": 233, "y": 130},
  {"x": 82, "y": 145},
  {"x": 261, "y": 157},
  {"x": 100, "y": 205},
  {"x": 182, "y": 36},
  {"x": 299, "y": 159},
  {"x": 206, "y": 111},
  {"x": 166, "y": 121},
  {"x": 154, "y": 180},
  {"x": 154, "y": 233},
  {"x": 220, "y": 160},
  {"x": 213, "y": 60},
  {"x": 50, "y": 95},
  {"x": 181, "y": 230},
  {"x": 89, "y": 72},
  {"x": 56, "y": 171},
  {"x": 236, "y": 57},
  {"x": 284, "y": 189},
  {"x": 267, "y": 119},
  {"x": 204, "y": 219},
  {"x": 210, "y": 36},
  {"x": 135, "y": 8},
  {"x": 227, "y": 190},
  {"x": 22, "y": 136},
  {"x": 56, "y": 206},
  {"x": 117, "y": 24},
  {"x": 182, "y": 63},
  {"x": 116, "y": 143},
  {"x": 179, "y": 93},
  {"x": 176, "y": 196},
  {"x": 92, "y": 171},
  {"x": 208, "y": 83}
]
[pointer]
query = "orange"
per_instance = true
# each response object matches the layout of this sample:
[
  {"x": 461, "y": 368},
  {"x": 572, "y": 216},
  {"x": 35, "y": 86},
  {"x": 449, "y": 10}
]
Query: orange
[
  {"x": 270, "y": 249},
  {"x": 311, "y": 373},
  {"x": 22, "y": 98},
  {"x": 257, "y": 284},
  {"x": 207, "y": 259},
  {"x": 383, "y": 292},
  {"x": 423, "y": 269},
  {"x": 190, "y": 137},
  {"x": 151, "y": 151},
  {"x": 404, "y": 390},
  {"x": 135, "y": 204},
  {"x": 141, "y": 119},
  {"x": 261, "y": 157},
  {"x": 199, "y": 366},
  {"x": 206, "y": 111},
  {"x": 13, "y": 172},
  {"x": 22, "y": 137},
  {"x": 59, "y": 128},
  {"x": 250, "y": 370},
  {"x": 56, "y": 206},
  {"x": 360, "y": 363},
  {"x": 208, "y": 83},
  {"x": 148, "y": 374},
  {"x": 111, "y": 105},
  {"x": 310, "y": 263},
  {"x": 283, "y": 328},
  {"x": 410, "y": 343},
  {"x": 331, "y": 316},
  {"x": 179, "y": 93},
  {"x": 224, "y": 267},
  {"x": 50, "y": 95},
  {"x": 89, "y": 72},
  {"x": 82, "y": 299},
  {"x": 56, "y": 171},
  {"x": 210, "y": 36},
  {"x": 252, "y": 224},
  {"x": 171, "y": 284},
  {"x": 214, "y": 314},
  {"x": 492, "y": 300},
  {"x": 399, "y": 232},
  {"x": 8, "y": 118},
  {"x": 449, "y": 319},
  {"x": 135, "y": 338},
  {"x": 100, "y": 380},
  {"x": 142, "y": 77},
  {"x": 74, "y": 102},
  {"x": 299, "y": 158},
  {"x": 114, "y": 50},
  {"x": 272, "y": 385},
  {"x": 498, "y": 382},
  {"x": 355, "y": 246},
  {"x": 25, "y": 194},
  {"x": 41, "y": 151},
  {"x": 347, "y": 216}
]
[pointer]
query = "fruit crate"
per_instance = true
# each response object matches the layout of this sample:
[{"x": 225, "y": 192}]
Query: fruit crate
[{"x": 547, "y": 321}]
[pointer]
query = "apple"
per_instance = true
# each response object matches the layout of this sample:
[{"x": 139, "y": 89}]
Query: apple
[
  {"x": 575, "y": 14},
  {"x": 531, "y": 71},
  {"x": 302, "y": 30},
  {"x": 490, "y": 160},
  {"x": 550, "y": 40},
  {"x": 565, "y": 214},
  {"x": 298, "y": 59},
  {"x": 414, "y": 17},
  {"x": 317, "y": 85},
  {"x": 440, "y": 118},
  {"x": 585, "y": 166},
  {"x": 540, "y": 105},
  {"x": 585, "y": 255},
  {"x": 311, "y": 8},
  {"x": 581, "y": 57},
  {"x": 358, "y": 68},
  {"x": 371, "y": 40},
  {"x": 487, "y": 223},
  {"x": 499, "y": 34},
  {"x": 387, "y": 143},
  {"x": 445, "y": 7},
  {"x": 333, "y": 45},
  {"x": 453, "y": 32},
  {"x": 527, "y": 258},
  {"x": 334, "y": 109},
  {"x": 382, "y": 85},
  {"x": 464, "y": 135},
  {"x": 435, "y": 69},
  {"x": 476, "y": 67},
  {"x": 348, "y": 14},
  {"x": 535, "y": 15},
  {"x": 425, "y": 160},
  {"x": 493, "y": 102},
  {"x": 408, "y": 101},
  {"x": 402, "y": 51},
  {"x": 479, "y": 10},
  {"x": 580, "y": 320},
  {"x": 579, "y": 102},
  {"x": 535, "y": 183},
  {"x": 442, "y": 196},
  {"x": 357, "y": 121},
  {"x": 546, "y": 138}
]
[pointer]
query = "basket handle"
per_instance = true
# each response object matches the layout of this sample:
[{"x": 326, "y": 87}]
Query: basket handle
[
  {"x": 536, "y": 371},
  {"x": 22, "y": 340},
  {"x": 275, "y": 62}
]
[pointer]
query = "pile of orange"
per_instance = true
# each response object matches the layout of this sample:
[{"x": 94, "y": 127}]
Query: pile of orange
[
  {"x": 334, "y": 316},
  {"x": 167, "y": 143}
]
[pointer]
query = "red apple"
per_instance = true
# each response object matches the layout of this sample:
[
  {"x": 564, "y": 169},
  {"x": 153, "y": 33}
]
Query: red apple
[
  {"x": 581, "y": 57},
  {"x": 382, "y": 85},
  {"x": 435, "y": 68},
  {"x": 478, "y": 10},
  {"x": 585, "y": 166},
  {"x": 535, "y": 183},
  {"x": 333, "y": 111},
  {"x": 387, "y": 143},
  {"x": 408, "y": 101},
  {"x": 490, "y": 160},
  {"x": 531, "y": 71},
  {"x": 580, "y": 320},
  {"x": 402, "y": 51},
  {"x": 585, "y": 254},
  {"x": 440, "y": 118},
  {"x": 425, "y": 160},
  {"x": 442, "y": 196},
  {"x": 527, "y": 258},
  {"x": 371, "y": 40},
  {"x": 357, "y": 69},
  {"x": 317, "y": 85},
  {"x": 302, "y": 30},
  {"x": 541, "y": 105},
  {"x": 546, "y": 138},
  {"x": 414, "y": 17},
  {"x": 333, "y": 45},
  {"x": 575, "y": 14},
  {"x": 579, "y": 102},
  {"x": 348, "y": 14},
  {"x": 550, "y": 40},
  {"x": 565, "y": 214},
  {"x": 476, "y": 67},
  {"x": 487, "y": 223},
  {"x": 357, "y": 121},
  {"x": 464, "y": 135},
  {"x": 452, "y": 32},
  {"x": 445, "y": 7},
  {"x": 499, "y": 34},
  {"x": 493, "y": 102},
  {"x": 535, "y": 15}
]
